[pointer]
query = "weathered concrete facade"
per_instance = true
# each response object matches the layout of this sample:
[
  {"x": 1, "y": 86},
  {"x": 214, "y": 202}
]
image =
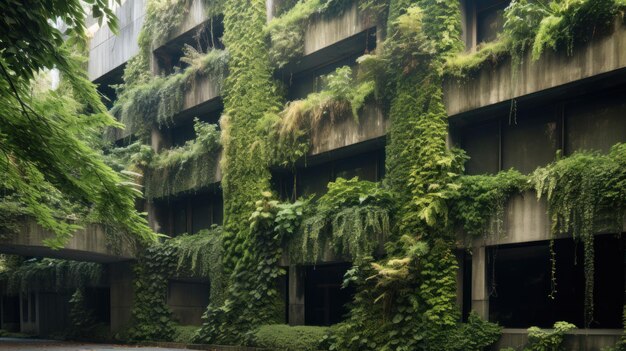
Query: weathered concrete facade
[{"x": 554, "y": 83}]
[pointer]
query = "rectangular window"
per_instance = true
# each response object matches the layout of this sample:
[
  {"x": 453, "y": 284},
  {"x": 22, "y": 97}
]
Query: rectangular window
[
  {"x": 33, "y": 307},
  {"x": 489, "y": 19},
  {"x": 482, "y": 145},
  {"x": 596, "y": 122},
  {"x": 324, "y": 299},
  {"x": 519, "y": 282},
  {"x": 25, "y": 308},
  {"x": 530, "y": 139}
]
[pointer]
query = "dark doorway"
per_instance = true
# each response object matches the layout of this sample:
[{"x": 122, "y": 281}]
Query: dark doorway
[
  {"x": 10, "y": 313},
  {"x": 325, "y": 302}
]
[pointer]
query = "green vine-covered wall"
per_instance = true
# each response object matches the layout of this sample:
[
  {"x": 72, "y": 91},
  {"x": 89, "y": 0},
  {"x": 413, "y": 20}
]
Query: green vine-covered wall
[{"x": 401, "y": 233}]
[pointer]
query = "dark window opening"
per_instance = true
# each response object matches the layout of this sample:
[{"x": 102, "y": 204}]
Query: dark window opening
[
  {"x": 314, "y": 180},
  {"x": 33, "y": 307},
  {"x": 25, "y": 313},
  {"x": 482, "y": 145},
  {"x": 596, "y": 122},
  {"x": 311, "y": 80},
  {"x": 98, "y": 300},
  {"x": 207, "y": 36},
  {"x": 467, "y": 286},
  {"x": 489, "y": 19},
  {"x": 190, "y": 214},
  {"x": 10, "y": 312},
  {"x": 183, "y": 130},
  {"x": 188, "y": 299},
  {"x": 520, "y": 283},
  {"x": 325, "y": 301}
]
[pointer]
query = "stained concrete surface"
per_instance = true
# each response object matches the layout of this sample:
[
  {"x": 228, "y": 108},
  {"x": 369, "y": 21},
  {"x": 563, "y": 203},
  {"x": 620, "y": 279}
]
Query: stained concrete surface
[{"x": 39, "y": 345}]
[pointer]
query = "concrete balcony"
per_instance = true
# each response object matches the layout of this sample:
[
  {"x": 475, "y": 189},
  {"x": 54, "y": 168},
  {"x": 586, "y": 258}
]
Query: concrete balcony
[
  {"x": 347, "y": 132},
  {"x": 526, "y": 220},
  {"x": 109, "y": 52},
  {"x": 328, "y": 39},
  {"x": 554, "y": 74},
  {"x": 87, "y": 244}
]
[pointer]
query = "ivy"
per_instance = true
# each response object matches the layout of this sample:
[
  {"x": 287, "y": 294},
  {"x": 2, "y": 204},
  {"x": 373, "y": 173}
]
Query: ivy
[
  {"x": 157, "y": 100},
  {"x": 50, "y": 275},
  {"x": 197, "y": 255},
  {"x": 542, "y": 340},
  {"x": 287, "y": 30},
  {"x": 479, "y": 207},
  {"x": 290, "y": 130},
  {"x": 352, "y": 219},
  {"x": 82, "y": 319},
  {"x": 252, "y": 298},
  {"x": 584, "y": 191}
]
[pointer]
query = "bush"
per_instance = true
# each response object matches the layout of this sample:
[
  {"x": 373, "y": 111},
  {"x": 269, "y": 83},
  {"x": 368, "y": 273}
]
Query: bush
[
  {"x": 184, "y": 333},
  {"x": 286, "y": 338}
]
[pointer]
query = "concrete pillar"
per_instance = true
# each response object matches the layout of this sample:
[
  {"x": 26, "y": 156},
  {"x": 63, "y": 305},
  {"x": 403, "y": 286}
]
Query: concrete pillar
[
  {"x": 122, "y": 294},
  {"x": 296, "y": 295},
  {"x": 480, "y": 294}
]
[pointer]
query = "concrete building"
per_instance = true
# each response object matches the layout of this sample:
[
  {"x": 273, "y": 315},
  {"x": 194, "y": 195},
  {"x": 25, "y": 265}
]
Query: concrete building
[{"x": 563, "y": 102}]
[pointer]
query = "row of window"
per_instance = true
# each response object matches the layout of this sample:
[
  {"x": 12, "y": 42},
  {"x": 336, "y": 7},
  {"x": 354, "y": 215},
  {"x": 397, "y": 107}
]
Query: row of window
[{"x": 530, "y": 137}]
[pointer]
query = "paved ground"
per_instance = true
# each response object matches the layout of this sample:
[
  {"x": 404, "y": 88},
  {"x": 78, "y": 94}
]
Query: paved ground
[{"x": 41, "y": 345}]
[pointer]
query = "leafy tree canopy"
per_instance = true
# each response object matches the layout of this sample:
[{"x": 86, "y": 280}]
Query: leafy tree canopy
[{"x": 48, "y": 162}]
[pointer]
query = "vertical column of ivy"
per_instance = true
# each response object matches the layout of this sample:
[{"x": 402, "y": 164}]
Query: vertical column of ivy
[
  {"x": 411, "y": 303},
  {"x": 250, "y": 254},
  {"x": 249, "y": 94}
]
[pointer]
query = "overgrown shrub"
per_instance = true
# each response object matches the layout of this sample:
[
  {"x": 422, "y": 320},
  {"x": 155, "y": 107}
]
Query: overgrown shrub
[
  {"x": 281, "y": 337},
  {"x": 185, "y": 333},
  {"x": 352, "y": 219},
  {"x": 548, "y": 340}
]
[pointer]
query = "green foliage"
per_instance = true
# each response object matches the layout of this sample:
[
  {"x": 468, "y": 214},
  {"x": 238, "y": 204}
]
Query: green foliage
[
  {"x": 543, "y": 340},
  {"x": 11, "y": 217},
  {"x": 252, "y": 293},
  {"x": 479, "y": 207},
  {"x": 287, "y": 30},
  {"x": 190, "y": 167},
  {"x": 291, "y": 130},
  {"x": 583, "y": 190},
  {"x": 286, "y": 338},
  {"x": 151, "y": 317},
  {"x": 200, "y": 255},
  {"x": 147, "y": 102},
  {"x": 50, "y": 275},
  {"x": 82, "y": 320},
  {"x": 476, "y": 334},
  {"x": 197, "y": 255},
  {"x": 537, "y": 25},
  {"x": 47, "y": 136},
  {"x": 352, "y": 218},
  {"x": 185, "y": 333}
]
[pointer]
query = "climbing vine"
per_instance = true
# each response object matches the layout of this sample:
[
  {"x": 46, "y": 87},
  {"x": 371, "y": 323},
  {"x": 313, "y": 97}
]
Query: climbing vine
[
  {"x": 51, "y": 275},
  {"x": 352, "y": 219},
  {"x": 252, "y": 297},
  {"x": 197, "y": 255}
]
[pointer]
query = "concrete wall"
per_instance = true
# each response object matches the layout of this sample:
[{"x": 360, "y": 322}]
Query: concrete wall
[
  {"x": 576, "y": 340},
  {"x": 493, "y": 85},
  {"x": 372, "y": 124},
  {"x": 324, "y": 32},
  {"x": 87, "y": 244},
  {"x": 108, "y": 51},
  {"x": 122, "y": 294}
]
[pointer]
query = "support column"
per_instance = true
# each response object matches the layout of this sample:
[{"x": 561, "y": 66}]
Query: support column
[
  {"x": 480, "y": 294},
  {"x": 296, "y": 295},
  {"x": 122, "y": 294}
]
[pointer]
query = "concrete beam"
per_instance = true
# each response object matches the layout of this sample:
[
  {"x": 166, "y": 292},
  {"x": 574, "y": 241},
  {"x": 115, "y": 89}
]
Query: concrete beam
[
  {"x": 575, "y": 340},
  {"x": 87, "y": 244},
  {"x": 108, "y": 51},
  {"x": 494, "y": 85}
]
